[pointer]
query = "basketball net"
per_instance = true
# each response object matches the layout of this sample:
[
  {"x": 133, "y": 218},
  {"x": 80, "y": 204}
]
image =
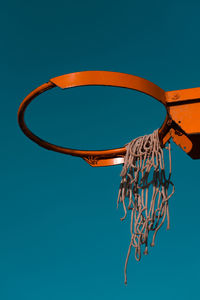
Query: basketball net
[{"x": 144, "y": 191}]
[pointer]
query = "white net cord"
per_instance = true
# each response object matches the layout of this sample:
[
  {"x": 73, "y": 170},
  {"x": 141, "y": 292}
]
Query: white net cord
[{"x": 144, "y": 191}]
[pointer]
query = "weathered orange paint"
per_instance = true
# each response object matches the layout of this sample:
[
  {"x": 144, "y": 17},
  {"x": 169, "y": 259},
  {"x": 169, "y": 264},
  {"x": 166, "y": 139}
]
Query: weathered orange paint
[{"x": 182, "y": 121}]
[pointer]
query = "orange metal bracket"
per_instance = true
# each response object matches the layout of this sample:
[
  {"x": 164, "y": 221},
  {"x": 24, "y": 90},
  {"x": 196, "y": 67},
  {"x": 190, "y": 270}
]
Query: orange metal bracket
[
  {"x": 182, "y": 121},
  {"x": 184, "y": 110}
]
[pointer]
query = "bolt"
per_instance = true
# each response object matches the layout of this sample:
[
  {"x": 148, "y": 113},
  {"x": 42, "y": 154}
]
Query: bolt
[
  {"x": 175, "y": 96},
  {"x": 169, "y": 122}
]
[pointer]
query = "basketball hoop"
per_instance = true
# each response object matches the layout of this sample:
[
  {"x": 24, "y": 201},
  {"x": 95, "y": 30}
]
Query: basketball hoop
[{"x": 143, "y": 158}]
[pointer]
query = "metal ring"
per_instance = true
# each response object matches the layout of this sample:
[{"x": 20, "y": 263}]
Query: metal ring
[{"x": 92, "y": 78}]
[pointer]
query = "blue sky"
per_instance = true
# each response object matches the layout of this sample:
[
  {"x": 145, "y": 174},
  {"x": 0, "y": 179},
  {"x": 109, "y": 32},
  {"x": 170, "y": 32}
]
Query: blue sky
[{"x": 60, "y": 233}]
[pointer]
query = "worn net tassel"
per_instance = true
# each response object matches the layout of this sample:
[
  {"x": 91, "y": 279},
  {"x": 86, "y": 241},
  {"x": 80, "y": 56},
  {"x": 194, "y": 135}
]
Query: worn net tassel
[{"x": 144, "y": 191}]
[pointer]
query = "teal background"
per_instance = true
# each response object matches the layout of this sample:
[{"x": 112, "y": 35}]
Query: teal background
[{"x": 60, "y": 233}]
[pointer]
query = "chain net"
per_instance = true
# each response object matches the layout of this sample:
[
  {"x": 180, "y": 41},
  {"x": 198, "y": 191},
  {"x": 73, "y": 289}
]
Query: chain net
[{"x": 144, "y": 191}]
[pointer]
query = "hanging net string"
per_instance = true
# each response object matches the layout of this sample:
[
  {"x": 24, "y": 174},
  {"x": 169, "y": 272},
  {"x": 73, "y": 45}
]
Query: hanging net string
[{"x": 144, "y": 191}]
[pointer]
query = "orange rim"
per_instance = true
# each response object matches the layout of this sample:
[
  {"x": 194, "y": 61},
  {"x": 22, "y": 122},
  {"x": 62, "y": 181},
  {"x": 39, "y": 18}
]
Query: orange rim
[{"x": 94, "y": 78}]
